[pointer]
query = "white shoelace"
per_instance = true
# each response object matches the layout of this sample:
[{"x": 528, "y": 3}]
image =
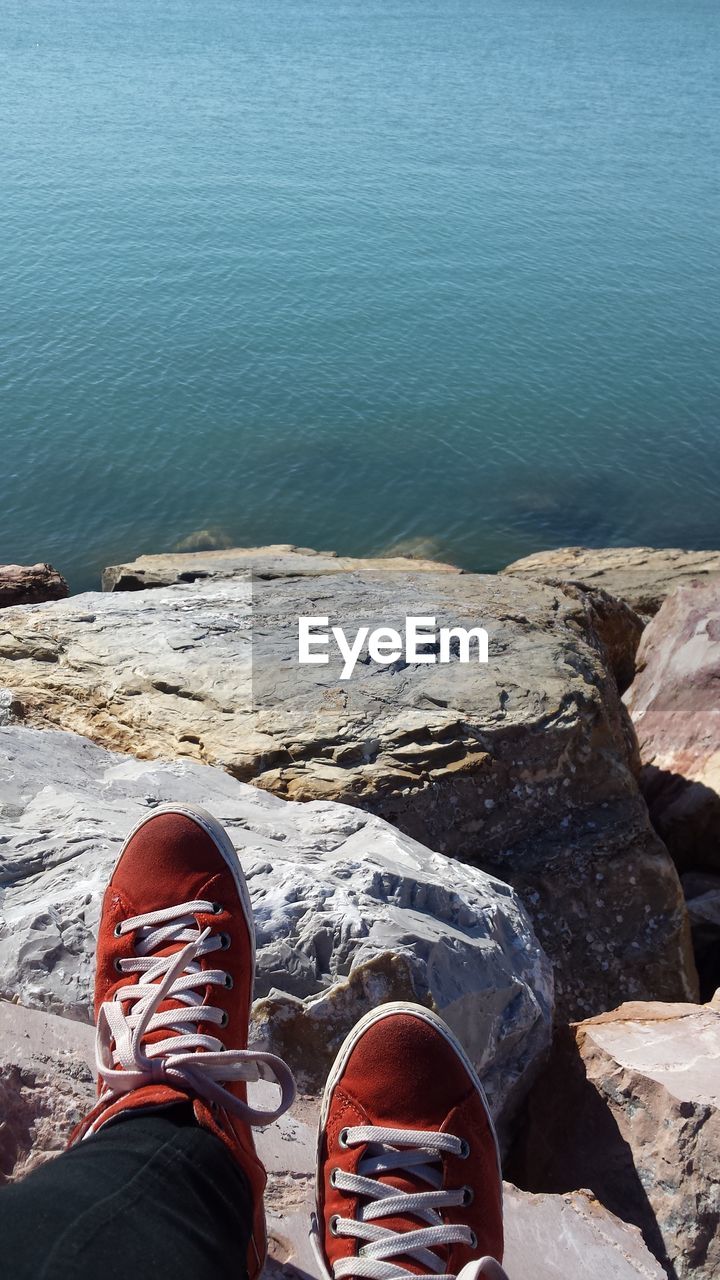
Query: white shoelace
[
  {"x": 404, "y": 1151},
  {"x": 186, "y": 1059}
]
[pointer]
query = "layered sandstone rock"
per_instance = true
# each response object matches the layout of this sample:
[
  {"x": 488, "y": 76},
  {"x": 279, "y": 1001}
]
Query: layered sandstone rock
[
  {"x": 617, "y": 627},
  {"x": 30, "y": 584},
  {"x": 629, "y": 1106},
  {"x": 348, "y": 911},
  {"x": 642, "y": 576},
  {"x": 281, "y": 560},
  {"x": 524, "y": 766},
  {"x": 675, "y": 706}
]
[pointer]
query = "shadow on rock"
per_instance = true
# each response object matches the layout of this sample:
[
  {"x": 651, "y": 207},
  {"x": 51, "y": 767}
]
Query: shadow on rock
[
  {"x": 568, "y": 1139},
  {"x": 686, "y": 815}
]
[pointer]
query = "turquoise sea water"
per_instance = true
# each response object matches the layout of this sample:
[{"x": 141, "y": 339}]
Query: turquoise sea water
[{"x": 358, "y": 274}]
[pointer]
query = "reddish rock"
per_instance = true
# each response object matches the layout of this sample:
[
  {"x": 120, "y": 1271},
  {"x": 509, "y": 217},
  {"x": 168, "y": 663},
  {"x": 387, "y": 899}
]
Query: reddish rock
[
  {"x": 571, "y": 1237},
  {"x": 30, "y": 584},
  {"x": 629, "y": 1106},
  {"x": 674, "y": 703}
]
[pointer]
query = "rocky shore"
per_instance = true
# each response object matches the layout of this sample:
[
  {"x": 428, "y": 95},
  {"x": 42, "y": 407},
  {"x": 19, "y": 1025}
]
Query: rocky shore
[{"x": 531, "y": 847}]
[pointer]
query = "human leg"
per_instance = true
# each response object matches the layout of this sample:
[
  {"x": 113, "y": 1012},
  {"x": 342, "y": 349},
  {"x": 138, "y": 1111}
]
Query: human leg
[{"x": 174, "y": 979}]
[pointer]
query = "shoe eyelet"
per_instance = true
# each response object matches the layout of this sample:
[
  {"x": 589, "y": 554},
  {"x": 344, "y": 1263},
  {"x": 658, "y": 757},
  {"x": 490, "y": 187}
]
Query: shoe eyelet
[
  {"x": 225, "y": 941},
  {"x": 342, "y": 1139},
  {"x": 473, "y": 1240},
  {"x": 333, "y": 1224},
  {"x": 225, "y": 1019},
  {"x": 215, "y": 908},
  {"x": 464, "y": 1149},
  {"x": 118, "y": 930},
  {"x": 229, "y": 982},
  {"x": 117, "y": 966},
  {"x": 333, "y": 1177},
  {"x": 468, "y": 1195}
]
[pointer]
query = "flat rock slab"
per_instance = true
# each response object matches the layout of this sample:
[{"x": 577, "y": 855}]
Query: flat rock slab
[
  {"x": 524, "y": 766},
  {"x": 46, "y": 1085},
  {"x": 571, "y": 1237},
  {"x": 348, "y": 911},
  {"x": 629, "y": 1105},
  {"x": 30, "y": 584},
  {"x": 675, "y": 706},
  {"x": 642, "y": 576},
  {"x": 281, "y": 560}
]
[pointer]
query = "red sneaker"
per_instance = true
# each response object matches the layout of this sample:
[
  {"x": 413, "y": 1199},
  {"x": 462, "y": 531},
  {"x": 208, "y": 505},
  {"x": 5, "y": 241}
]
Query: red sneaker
[
  {"x": 409, "y": 1175},
  {"x": 173, "y": 988}
]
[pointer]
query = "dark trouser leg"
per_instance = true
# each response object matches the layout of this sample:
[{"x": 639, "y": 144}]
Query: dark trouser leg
[{"x": 151, "y": 1197}]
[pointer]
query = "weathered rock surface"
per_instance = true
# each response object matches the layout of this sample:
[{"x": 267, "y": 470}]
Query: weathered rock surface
[
  {"x": 675, "y": 706},
  {"x": 629, "y": 1106},
  {"x": 348, "y": 911},
  {"x": 30, "y": 584},
  {"x": 277, "y": 561},
  {"x": 642, "y": 576},
  {"x": 523, "y": 766},
  {"x": 618, "y": 627},
  {"x": 46, "y": 1085}
]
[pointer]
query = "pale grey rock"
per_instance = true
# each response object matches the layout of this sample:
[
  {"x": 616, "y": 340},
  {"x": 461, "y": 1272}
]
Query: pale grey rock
[
  {"x": 338, "y": 896},
  {"x": 629, "y": 1105},
  {"x": 641, "y": 576},
  {"x": 524, "y": 766},
  {"x": 280, "y": 560}
]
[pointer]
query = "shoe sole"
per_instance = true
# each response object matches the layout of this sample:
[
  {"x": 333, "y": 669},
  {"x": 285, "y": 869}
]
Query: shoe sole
[
  {"x": 220, "y": 838},
  {"x": 349, "y": 1043}
]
